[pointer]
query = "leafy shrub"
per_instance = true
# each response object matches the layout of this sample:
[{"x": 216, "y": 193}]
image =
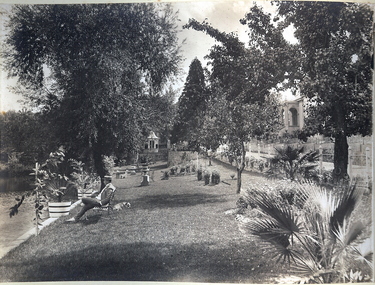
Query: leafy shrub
[
  {"x": 261, "y": 165},
  {"x": 165, "y": 175},
  {"x": 182, "y": 170},
  {"x": 215, "y": 177},
  {"x": 241, "y": 205},
  {"x": 193, "y": 168},
  {"x": 207, "y": 176},
  {"x": 109, "y": 163},
  {"x": 252, "y": 162},
  {"x": 173, "y": 170},
  {"x": 247, "y": 161},
  {"x": 230, "y": 159},
  {"x": 200, "y": 174},
  {"x": 326, "y": 177}
]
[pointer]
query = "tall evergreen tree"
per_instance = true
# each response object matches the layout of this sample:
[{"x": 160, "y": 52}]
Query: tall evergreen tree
[{"x": 191, "y": 106}]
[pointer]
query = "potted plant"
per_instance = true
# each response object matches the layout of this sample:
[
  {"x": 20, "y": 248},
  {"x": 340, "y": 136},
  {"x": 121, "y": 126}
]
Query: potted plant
[
  {"x": 56, "y": 184},
  {"x": 57, "y": 187},
  {"x": 83, "y": 181}
]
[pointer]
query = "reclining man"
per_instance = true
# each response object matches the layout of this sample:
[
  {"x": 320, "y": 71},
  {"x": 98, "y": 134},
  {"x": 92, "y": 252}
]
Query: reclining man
[{"x": 98, "y": 199}]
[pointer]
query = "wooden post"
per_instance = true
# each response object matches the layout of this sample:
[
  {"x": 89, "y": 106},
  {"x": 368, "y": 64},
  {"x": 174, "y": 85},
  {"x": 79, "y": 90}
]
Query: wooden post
[{"x": 258, "y": 148}]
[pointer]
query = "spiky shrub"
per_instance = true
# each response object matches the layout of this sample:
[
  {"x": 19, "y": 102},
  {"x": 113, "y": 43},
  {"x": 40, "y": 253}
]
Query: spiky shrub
[
  {"x": 293, "y": 162},
  {"x": 165, "y": 175},
  {"x": 319, "y": 241}
]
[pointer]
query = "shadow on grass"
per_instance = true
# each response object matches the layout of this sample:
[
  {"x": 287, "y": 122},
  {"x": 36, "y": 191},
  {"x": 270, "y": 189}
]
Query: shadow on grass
[
  {"x": 144, "y": 262},
  {"x": 158, "y": 167},
  {"x": 177, "y": 200}
]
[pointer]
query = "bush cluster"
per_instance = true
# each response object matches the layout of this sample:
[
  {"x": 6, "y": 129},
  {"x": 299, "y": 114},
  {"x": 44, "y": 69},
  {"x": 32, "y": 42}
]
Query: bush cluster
[
  {"x": 215, "y": 177},
  {"x": 200, "y": 174},
  {"x": 206, "y": 176}
]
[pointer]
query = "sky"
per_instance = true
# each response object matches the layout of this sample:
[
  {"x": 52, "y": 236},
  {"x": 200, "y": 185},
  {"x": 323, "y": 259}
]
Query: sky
[{"x": 224, "y": 16}]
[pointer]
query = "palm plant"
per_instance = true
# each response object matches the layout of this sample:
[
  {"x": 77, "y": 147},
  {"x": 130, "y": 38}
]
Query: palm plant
[
  {"x": 293, "y": 161},
  {"x": 319, "y": 241}
]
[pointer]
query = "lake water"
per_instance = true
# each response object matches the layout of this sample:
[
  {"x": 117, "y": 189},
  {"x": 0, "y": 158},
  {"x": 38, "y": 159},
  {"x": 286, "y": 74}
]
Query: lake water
[{"x": 12, "y": 228}]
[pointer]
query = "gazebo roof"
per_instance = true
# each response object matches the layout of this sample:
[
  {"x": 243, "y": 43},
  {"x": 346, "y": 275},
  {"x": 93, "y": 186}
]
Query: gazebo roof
[{"x": 152, "y": 136}]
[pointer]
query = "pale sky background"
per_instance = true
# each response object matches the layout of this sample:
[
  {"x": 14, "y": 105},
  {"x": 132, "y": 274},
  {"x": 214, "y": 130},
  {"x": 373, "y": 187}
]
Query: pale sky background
[{"x": 224, "y": 16}]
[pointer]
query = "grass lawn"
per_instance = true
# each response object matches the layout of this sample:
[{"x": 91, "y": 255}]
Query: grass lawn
[{"x": 176, "y": 230}]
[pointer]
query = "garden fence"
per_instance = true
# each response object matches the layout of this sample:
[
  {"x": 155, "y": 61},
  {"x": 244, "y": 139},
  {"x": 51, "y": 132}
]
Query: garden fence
[{"x": 359, "y": 156}]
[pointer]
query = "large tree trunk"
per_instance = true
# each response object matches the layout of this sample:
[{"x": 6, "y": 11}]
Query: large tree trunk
[
  {"x": 99, "y": 165},
  {"x": 240, "y": 168},
  {"x": 340, "y": 158},
  {"x": 239, "y": 182},
  {"x": 340, "y": 155}
]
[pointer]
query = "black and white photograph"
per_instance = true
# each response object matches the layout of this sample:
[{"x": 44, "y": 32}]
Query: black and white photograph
[{"x": 186, "y": 141}]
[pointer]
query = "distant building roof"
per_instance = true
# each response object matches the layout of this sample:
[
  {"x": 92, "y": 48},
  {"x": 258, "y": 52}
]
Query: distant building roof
[{"x": 152, "y": 136}]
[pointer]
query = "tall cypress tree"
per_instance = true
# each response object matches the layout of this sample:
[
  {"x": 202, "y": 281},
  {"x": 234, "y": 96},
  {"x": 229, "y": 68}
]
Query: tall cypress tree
[{"x": 191, "y": 106}]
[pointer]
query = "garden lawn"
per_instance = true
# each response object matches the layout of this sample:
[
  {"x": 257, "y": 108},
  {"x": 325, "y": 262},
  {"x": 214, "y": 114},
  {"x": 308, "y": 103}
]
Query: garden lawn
[{"x": 175, "y": 230}]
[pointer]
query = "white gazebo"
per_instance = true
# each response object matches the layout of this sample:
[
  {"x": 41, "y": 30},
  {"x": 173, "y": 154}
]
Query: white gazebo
[{"x": 152, "y": 143}]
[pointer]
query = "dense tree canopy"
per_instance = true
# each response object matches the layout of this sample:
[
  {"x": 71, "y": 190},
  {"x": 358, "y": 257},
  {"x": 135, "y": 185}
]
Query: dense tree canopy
[
  {"x": 241, "y": 82},
  {"x": 333, "y": 69},
  {"x": 26, "y": 135},
  {"x": 95, "y": 69}
]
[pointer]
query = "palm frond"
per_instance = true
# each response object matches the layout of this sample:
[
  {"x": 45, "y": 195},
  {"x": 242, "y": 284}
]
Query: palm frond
[
  {"x": 305, "y": 266},
  {"x": 269, "y": 231},
  {"x": 282, "y": 214},
  {"x": 281, "y": 253},
  {"x": 365, "y": 252},
  {"x": 345, "y": 206},
  {"x": 346, "y": 234}
]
